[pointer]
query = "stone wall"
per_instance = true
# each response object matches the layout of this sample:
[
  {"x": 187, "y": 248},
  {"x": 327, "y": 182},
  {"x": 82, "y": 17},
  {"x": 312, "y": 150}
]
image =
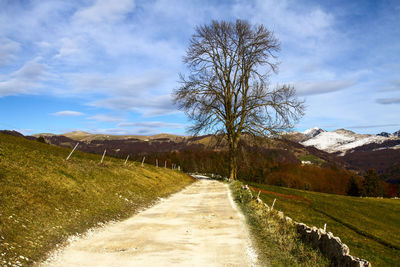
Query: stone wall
[{"x": 330, "y": 245}]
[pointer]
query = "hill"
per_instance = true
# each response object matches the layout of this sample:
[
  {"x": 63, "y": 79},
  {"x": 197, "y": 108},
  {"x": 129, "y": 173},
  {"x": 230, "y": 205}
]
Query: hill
[
  {"x": 277, "y": 161},
  {"x": 361, "y": 223},
  {"x": 121, "y": 146},
  {"x": 45, "y": 199},
  {"x": 87, "y": 137}
]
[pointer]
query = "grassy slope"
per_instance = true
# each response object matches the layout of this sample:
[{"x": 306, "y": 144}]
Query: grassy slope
[
  {"x": 44, "y": 198},
  {"x": 369, "y": 226},
  {"x": 276, "y": 240}
]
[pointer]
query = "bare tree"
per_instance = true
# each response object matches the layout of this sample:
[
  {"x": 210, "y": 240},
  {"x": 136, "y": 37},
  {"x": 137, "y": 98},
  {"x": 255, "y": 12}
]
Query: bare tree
[{"x": 227, "y": 91}]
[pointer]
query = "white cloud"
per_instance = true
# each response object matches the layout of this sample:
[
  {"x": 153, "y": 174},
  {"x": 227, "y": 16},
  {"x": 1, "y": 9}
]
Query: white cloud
[
  {"x": 104, "y": 11},
  {"x": 69, "y": 47},
  {"x": 31, "y": 70},
  {"x": 372, "y": 126},
  {"x": 26, "y": 80},
  {"x": 142, "y": 130},
  {"x": 120, "y": 85},
  {"x": 389, "y": 100},
  {"x": 152, "y": 124},
  {"x": 105, "y": 118},
  {"x": 8, "y": 49},
  {"x": 146, "y": 105},
  {"x": 290, "y": 20},
  {"x": 321, "y": 87},
  {"x": 394, "y": 85},
  {"x": 68, "y": 113}
]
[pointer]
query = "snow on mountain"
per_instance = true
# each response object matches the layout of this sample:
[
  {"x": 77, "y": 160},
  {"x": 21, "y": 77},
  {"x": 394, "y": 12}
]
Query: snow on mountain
[
  {"x": 363, "y": 141},
  {"x": 312, "y": 132},
  {"x": 329, "y": 141},
  {"x": 342, "y": 140}
]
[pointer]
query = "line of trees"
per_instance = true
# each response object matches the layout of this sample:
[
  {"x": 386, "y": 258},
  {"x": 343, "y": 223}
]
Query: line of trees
[{"x": 372, "y": 186}]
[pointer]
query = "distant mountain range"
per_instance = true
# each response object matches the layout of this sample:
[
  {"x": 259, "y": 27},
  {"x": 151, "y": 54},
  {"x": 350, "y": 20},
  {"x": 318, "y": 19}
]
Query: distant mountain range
[
  {"x": 344, "y": 148},
  {"x": 340, "y": 141},
  {"x": 360, "y": 151},
  {"x": 344, "y": 141},
  {"x": 88, "y": 137}
]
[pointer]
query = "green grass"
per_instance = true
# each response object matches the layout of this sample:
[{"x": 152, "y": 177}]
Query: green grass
[
  {"x": 276, "y": 240},
  {"x": 313, "y": 159},
  {"x": 369, "y": 226},
  {"x": 44, "y": 198}
]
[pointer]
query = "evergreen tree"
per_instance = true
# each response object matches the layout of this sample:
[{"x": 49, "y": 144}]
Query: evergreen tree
[
  {"x": 352, "y": 189},
  {"x": 372, "y": 185}
]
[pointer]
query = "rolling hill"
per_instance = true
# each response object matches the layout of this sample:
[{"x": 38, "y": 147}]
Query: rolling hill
[
  {"x": 284, "y": 160},
  {"x": 45, "y": 199}
]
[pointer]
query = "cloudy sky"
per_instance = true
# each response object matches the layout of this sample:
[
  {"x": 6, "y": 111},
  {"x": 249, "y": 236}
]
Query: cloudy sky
[{"x": 110, "y": 66}]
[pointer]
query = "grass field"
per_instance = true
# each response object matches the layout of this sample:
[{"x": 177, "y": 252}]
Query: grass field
[
  {"x": 313, "y": 159},
  {"x": 369, "y": 226},
  {"x": 276, "y": 241},
  {"x": 44, "y": 199}
]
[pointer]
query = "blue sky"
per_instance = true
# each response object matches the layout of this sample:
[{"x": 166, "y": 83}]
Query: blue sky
[{"x": 110, "y": 66}]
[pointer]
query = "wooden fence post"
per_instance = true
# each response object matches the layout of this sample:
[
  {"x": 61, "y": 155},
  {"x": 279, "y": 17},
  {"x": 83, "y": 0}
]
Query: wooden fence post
[
  {"x": 272, "y": 207},
  {"x": 72, "y": 151},
  {"x": 102, "y": 158},
  {"x": 126, "y": 160},
  {"x": 156, "y": 163},
  {"x": 143, "y": 161}
]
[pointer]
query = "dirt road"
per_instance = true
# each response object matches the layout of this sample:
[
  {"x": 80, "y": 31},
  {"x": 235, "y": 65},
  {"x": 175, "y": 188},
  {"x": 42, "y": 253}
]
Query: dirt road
[{"x": 199, "y": 226}]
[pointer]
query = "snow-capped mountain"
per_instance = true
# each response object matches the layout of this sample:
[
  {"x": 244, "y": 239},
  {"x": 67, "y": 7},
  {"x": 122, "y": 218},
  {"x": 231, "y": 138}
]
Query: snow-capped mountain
[
  {"x": 342, "y": 140},
  {"x": 312, "y": 132}
]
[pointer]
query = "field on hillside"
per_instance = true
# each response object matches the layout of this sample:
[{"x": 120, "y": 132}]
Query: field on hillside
[
  {"x": 45, "y": 199},
  {"x": 276, "y": 241},
  {"x": 369, "y": 226}
]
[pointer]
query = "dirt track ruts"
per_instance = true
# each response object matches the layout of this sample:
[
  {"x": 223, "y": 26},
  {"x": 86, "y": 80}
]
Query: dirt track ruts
[{"x": 199, "y": 226}]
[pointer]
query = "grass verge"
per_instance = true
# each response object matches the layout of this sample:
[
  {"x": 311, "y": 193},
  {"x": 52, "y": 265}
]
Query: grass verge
[
  {"x": 369, "y": 226},
  {"x": 277, "y": 241},
  {"x": 44, "y": 199}
]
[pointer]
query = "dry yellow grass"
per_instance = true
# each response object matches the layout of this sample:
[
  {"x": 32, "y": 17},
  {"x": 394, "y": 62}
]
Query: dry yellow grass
[{"x": 45, "y": 199}]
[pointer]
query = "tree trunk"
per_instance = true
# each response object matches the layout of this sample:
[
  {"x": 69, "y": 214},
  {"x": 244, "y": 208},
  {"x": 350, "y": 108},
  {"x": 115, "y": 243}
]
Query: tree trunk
[{"x": 233, "y": 159}]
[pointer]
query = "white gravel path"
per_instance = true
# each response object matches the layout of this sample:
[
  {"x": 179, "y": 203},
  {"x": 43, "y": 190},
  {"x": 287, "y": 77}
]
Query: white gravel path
[{"x": 199, "y": 226}]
